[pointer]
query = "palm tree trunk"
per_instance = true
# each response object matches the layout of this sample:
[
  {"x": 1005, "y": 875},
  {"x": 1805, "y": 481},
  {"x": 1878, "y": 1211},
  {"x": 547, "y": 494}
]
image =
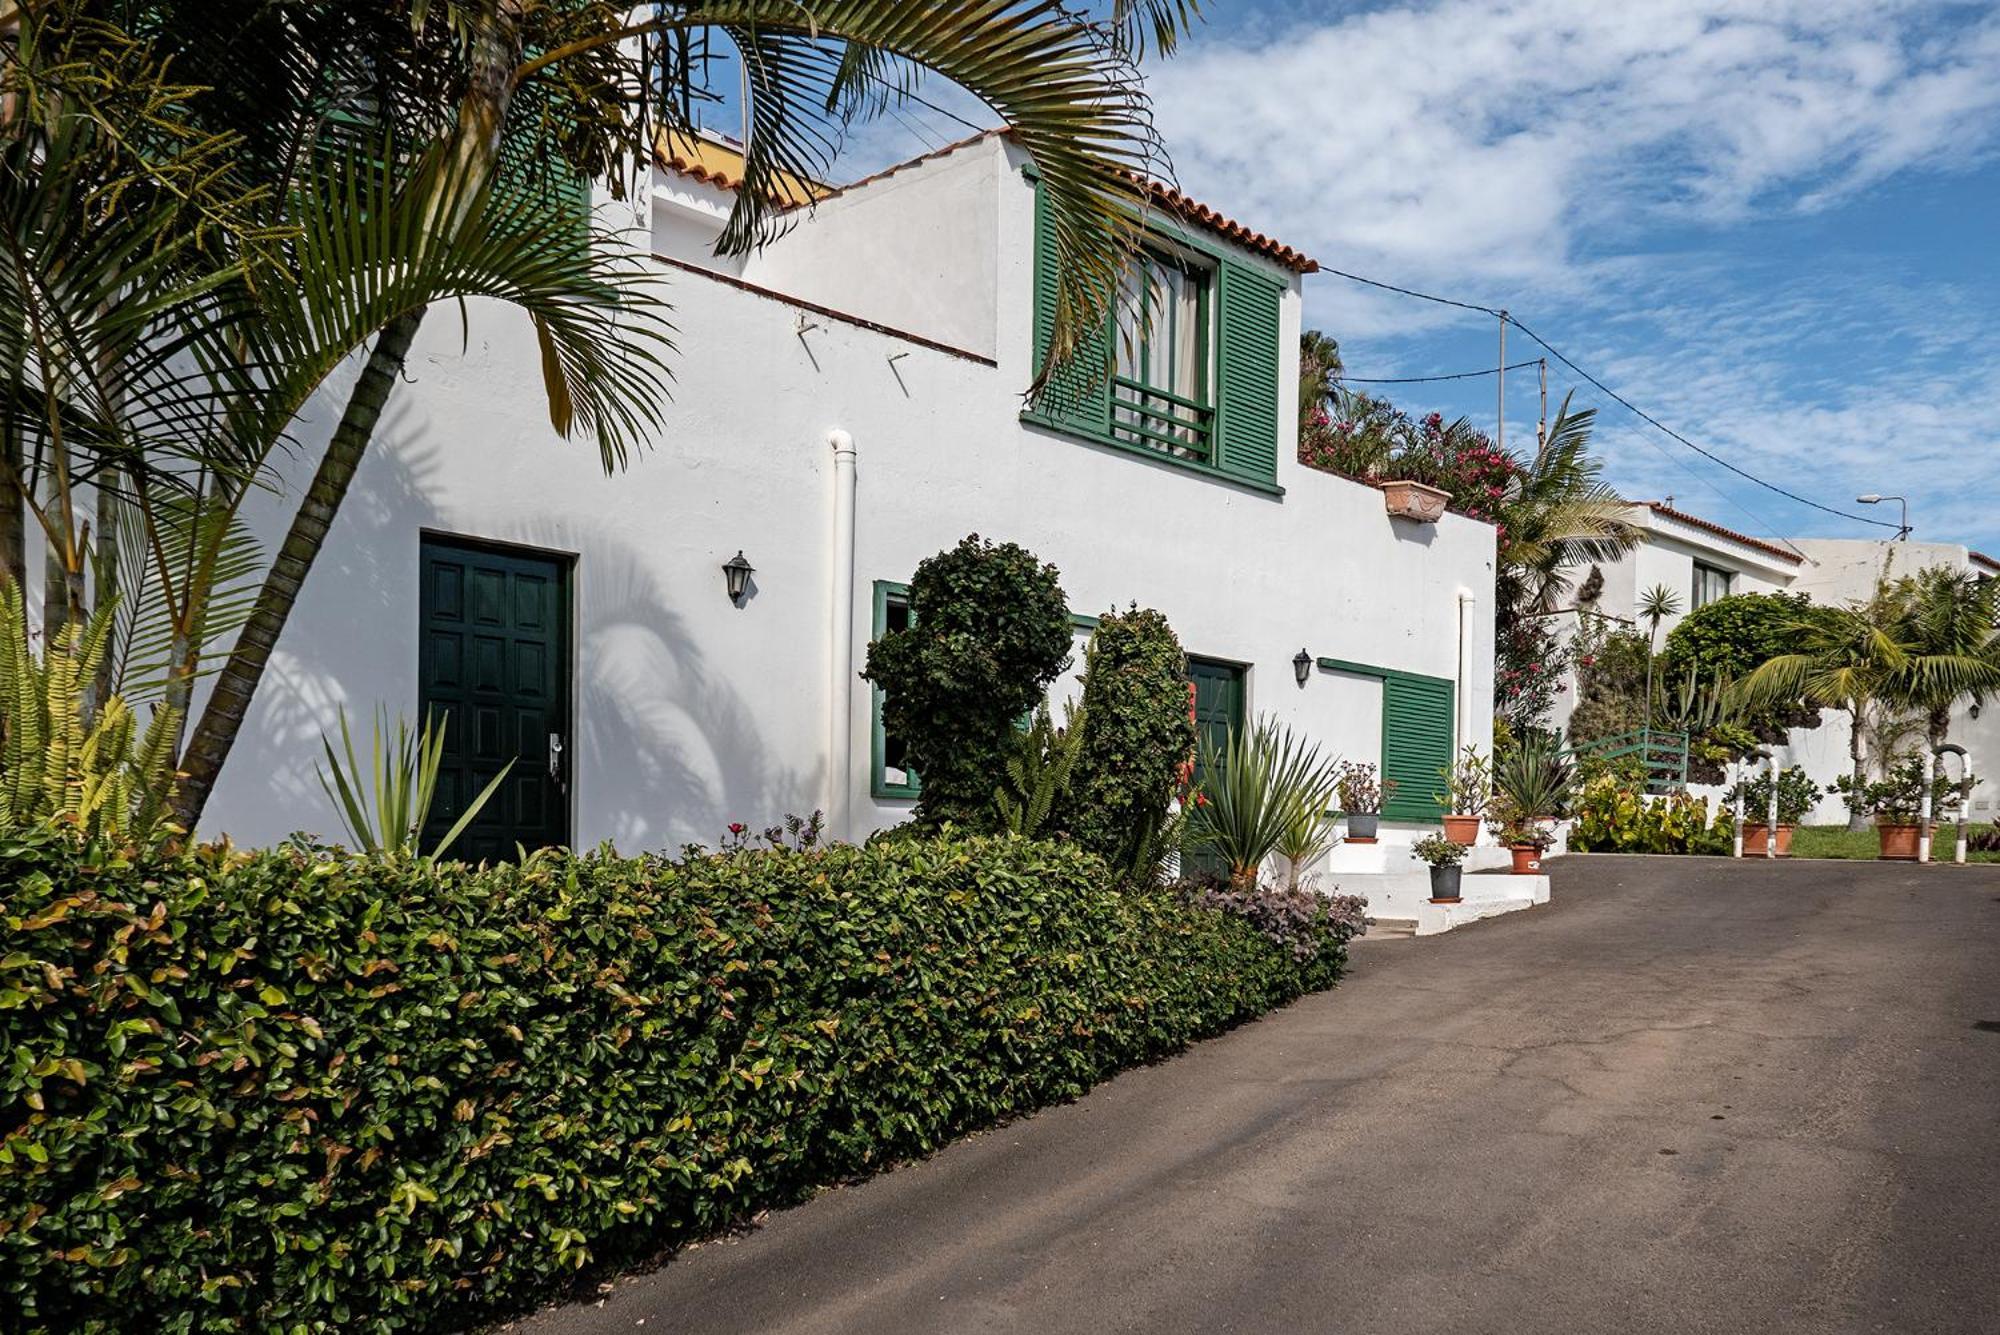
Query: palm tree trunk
[
  {"x": 229, "y": 704},
  {"x": 105, "y": 576},
  {"x": 13, "y": 518},
  {"x": 1857, "y": 749}
]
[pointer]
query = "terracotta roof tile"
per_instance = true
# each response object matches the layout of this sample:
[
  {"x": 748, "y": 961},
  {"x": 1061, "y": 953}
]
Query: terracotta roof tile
[
  {"x": 1709, "y": 526},
  {"x": 674, "y": 157}
]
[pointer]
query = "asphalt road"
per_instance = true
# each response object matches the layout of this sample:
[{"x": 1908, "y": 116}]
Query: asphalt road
[{"x": 1688, "y": 1095}]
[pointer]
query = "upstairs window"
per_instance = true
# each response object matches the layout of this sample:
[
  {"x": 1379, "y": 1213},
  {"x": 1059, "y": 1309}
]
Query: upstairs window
[
  {"x": 1188, "y": 366},
  {"x": 1710, "y": 583},
  {"x": 1160, "y": 380}
]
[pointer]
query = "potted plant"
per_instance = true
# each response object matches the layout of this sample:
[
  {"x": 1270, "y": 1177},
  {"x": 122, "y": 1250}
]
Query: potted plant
[
  {"x": 1796, "y": 795},
  {"x": 1444, "y": 856},
  {"x": 1467, "y": 785},
  {"x": 1361, "y": 797},
  {"x": 1896, "y": 802},
  {"x": 1531, "y": 789}
]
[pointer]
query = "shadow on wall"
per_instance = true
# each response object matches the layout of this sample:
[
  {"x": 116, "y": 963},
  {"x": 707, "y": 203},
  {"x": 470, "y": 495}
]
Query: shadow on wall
[{"x": 667, "y": 752}]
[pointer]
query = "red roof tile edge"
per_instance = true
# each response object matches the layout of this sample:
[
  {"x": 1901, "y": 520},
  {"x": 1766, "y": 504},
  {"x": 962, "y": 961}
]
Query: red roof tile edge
[
  {"x": 1166, "y": 196},
  {"x": 1710, "y": 526}
]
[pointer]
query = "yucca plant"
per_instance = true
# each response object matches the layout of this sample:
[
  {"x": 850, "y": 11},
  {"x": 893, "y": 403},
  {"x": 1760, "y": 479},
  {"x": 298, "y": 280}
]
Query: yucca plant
[
  {"x": 63, "y": 762},
  {"x": 386, "y": 805},
  {"x": 1262, "y": 786}
]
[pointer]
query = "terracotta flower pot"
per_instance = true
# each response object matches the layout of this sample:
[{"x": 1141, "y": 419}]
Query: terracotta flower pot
[
  {"x": 1415, "y": 500},
  {"x": 1753, "y": 840},
  {"x": 1462, "y": 829},
  {"x": 1527, "y": 859},
  {"x": 1899, "y": 842}
]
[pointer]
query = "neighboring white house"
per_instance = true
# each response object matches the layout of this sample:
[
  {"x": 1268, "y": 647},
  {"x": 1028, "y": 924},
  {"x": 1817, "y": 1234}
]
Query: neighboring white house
[
  {"x": 1700, "y": 561},
  {"x": 847, "y": 402}
]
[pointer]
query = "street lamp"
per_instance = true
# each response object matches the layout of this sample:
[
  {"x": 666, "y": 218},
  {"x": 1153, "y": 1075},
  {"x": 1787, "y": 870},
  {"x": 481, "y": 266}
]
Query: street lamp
[{"x": 1903, "y": 532}]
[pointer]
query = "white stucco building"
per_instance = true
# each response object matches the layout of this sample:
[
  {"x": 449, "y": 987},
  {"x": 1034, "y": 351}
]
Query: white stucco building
[
  {"x": 847, "y": 401},
  {"x": 1699, "y": 561}
]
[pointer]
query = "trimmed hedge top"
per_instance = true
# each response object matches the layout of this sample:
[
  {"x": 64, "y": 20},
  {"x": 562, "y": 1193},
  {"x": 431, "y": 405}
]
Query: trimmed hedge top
[{"x": 289, "y": 1090}]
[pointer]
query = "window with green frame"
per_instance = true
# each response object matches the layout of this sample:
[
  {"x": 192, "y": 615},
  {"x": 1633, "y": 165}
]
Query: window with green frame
[
  {"x": 1418, "y": 726},
  {"x": 890, "y": 773},
  {"x": 1187, "y": 365},
  {"x": 1160, "y": 372}
]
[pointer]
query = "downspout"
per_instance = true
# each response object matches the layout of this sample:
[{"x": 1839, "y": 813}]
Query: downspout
[
  {"x": 840, "y": 641},
  {"x": 1466, "y": 604}
]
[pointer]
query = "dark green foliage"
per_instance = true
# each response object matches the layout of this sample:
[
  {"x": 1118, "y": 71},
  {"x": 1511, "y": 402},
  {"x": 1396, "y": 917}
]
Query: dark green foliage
[
  {"x": 989, "y": 631},
  {"x": 1610, "y": 688},
  {"x": 295, "y": 1091},
  {"x": 1138, "y": 735},
  {"x": 1797, "y": 795},
  {"x": 1732, "y": 637}
]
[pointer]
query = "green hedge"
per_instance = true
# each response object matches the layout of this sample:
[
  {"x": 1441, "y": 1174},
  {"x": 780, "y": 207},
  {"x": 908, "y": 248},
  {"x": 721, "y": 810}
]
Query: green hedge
[{"x": 289, "y": 1091}]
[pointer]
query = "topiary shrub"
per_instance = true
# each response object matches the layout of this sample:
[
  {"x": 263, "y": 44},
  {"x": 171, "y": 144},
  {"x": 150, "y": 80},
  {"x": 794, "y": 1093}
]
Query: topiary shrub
[
  {"x": 989, "y": 630},
  {"x": 1732, "y": 637},
  {"x": 297, "y": 1090},
  {"x": 1137, "y": 737}
]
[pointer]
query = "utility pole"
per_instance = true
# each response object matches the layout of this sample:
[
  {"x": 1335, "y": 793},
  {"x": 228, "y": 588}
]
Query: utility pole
[
  {"x": 1500, "y": 433},
  {"x": 1542, "y": 426}
]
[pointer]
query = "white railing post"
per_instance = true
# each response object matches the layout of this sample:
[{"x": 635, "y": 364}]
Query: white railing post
[
  {"x": 1771, "y": 816},
  {"x": 1924, "y": 813}
]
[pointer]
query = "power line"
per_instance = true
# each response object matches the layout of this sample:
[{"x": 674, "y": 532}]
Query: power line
[
  {"x": 1431, "y": 379},
  {"x": 1607, "y": 391}
]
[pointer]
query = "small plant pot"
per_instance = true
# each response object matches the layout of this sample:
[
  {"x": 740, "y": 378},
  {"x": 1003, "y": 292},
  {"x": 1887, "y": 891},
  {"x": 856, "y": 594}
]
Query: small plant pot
[
  {"x": 1527, "y": 859},
  {"x": 1462, "y": 829},
  {"x": 1753, "y": 840},
  {"x": 1899, "y": 842},
  {"x": 1444, "y": 884},
  {"x": 1363, "y": 826},
  {"x": 1415, "y": 500}
]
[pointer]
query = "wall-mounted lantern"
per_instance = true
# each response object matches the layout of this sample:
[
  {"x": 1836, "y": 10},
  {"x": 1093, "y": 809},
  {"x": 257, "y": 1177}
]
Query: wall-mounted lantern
[
  {"x": 1302, "y": 666},
  {"x": 737, "y": 572}
]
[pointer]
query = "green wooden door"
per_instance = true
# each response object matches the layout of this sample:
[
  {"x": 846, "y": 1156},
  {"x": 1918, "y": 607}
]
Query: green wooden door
[
  {"x": 1218, "y": 711},
  {"x": 493, "y": 660}
]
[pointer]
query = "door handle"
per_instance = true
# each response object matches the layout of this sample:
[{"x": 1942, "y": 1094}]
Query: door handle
[{"x": 555, "y": 756}]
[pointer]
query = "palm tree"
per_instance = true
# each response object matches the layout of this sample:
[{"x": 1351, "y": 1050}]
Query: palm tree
[
  {"x": 1948, "y": 625},
  {"x": 1559, "y": 514},
  {"x": 1847, "y": 659},
  {"x": 451, "y": 85},
  {"x": 1655, "y": 605},
  {"x": 1320, "y": 368}
]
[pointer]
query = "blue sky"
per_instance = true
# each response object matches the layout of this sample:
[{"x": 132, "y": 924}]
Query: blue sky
[{"x": 1774, "y": 224}]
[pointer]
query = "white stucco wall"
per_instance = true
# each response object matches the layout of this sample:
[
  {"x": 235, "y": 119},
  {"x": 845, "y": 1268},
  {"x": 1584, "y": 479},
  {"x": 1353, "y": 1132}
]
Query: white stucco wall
[{"x": 691, "y": 712}]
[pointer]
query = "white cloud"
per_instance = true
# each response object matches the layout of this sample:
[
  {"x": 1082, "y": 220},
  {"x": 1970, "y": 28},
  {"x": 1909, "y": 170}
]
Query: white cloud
[
  {"x": 1492, "y": 139},
  {"x": 1573, "y": 159}
]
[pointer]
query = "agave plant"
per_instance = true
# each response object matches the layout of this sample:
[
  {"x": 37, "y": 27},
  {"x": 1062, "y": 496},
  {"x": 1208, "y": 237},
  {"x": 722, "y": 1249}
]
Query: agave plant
[
  {"x": 386, "y": 804},
  {"x": 1268, "y": 792},
  {"x": 1532, "y": 784}
]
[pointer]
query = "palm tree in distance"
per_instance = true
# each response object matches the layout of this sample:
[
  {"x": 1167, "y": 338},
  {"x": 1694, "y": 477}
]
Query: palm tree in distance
[
  {"x": 1655, "y": 605},
  {"x": 1559, "y": 515}
]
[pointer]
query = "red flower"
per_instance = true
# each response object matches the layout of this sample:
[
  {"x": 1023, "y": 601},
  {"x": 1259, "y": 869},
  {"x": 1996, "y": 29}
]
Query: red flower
[{"x": 737, "y": 827}]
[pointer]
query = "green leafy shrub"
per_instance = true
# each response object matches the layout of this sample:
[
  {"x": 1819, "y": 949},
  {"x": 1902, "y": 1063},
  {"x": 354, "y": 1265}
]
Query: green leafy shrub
[
  {"x": 1730, "y": 638},
  {"x": 1613, "y": 815},
  {"x": 293, "y": 1090},
  {"x": 1897, "y": 798},
  {"x": 1796, "y": 795},
  {"x": 1137, "y": 737},
  {"x": 989, "y": 630}
]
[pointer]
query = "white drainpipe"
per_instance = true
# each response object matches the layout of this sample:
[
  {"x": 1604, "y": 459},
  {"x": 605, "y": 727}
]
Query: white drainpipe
[
  {"x": 840, "y": 640},
  {"x": 1467, "y": 725}
]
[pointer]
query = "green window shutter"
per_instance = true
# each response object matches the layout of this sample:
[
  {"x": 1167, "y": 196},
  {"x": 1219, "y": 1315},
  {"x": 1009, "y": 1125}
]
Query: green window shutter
[
  {"x": 1079, "y": 396},
  {"x": 1247, "y": 398},
  {"x": 1416, "y": 742}
]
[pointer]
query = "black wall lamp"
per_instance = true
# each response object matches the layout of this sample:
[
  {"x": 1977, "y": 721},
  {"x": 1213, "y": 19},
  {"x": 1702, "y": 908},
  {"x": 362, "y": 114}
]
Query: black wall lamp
[
  {"x": 737, "y": 572},
  {"x": 1302, "y": 666}
]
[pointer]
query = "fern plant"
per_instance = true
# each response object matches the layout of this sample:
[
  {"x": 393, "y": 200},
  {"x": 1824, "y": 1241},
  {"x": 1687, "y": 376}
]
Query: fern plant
[
  {"x": 1038, "y": 772},
  {"x": 65, "y": 761}
]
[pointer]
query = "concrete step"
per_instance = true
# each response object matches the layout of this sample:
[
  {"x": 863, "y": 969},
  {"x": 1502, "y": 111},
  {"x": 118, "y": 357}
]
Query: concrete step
[{"x": 1390, "y": 929}]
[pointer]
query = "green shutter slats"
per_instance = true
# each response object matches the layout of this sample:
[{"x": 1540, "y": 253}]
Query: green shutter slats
[
  {"x": 1417, "y": 728},
  {"x": 1247, "y": 361},
  {"x": 1079, "y": 395}
]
